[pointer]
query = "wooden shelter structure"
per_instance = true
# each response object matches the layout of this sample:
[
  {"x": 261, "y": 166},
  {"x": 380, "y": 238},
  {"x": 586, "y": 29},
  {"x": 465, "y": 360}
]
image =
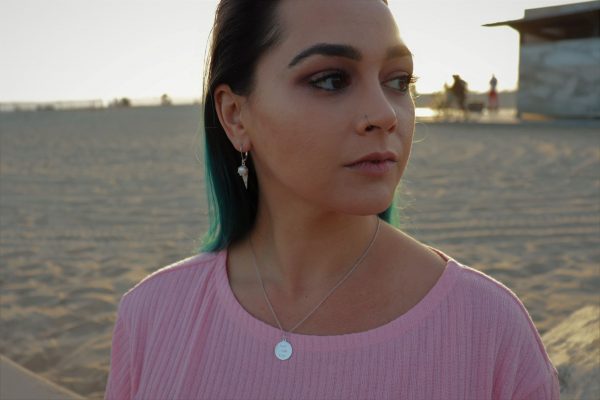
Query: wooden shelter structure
[{"x": 559, "y": 64}]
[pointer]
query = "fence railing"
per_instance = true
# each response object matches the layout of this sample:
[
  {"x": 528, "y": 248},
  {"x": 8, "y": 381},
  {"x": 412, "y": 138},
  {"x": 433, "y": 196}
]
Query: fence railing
[{"x": 93, "y": 104}]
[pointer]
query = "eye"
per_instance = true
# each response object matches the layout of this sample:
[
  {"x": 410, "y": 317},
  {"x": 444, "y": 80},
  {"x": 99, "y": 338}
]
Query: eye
[
  {"x": 330, "y": 81},
  {"x": 402, "y": 83}
]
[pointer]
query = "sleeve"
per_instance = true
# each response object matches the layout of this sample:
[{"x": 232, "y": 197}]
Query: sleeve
[
  {"x": 523, "y": 370},
  {"x": 118, "y": 386},
  {"x": 538, "y": 376},
  {"x": 549, "y": 389}
]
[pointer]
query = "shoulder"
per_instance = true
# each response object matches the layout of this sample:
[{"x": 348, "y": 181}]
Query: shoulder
[
  {"x": 472, "y": 291},
  {"x": 469, "y": 284},
  {"x": 498, "y": 312},
  {"x": 492, "y": 297},
  {"x": 172, "y": 281}
]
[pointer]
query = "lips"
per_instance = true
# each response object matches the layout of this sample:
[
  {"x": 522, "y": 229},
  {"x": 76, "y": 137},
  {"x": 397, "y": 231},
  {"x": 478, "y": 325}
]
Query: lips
[{"x": 377, "y": 157}]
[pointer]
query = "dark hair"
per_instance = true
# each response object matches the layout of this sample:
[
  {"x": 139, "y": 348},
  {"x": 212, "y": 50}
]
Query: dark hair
[{"x": 243, "y": 30}]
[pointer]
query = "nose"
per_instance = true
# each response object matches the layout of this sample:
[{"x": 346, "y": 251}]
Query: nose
[{"x": 377, "y": 113}]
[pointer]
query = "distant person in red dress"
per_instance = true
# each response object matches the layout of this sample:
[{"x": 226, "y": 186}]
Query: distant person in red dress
[{"x": 493, "y": 95}]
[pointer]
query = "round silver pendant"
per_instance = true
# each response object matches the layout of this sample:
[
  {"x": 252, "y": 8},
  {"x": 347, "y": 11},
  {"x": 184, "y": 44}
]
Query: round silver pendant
[{"x": 283, "y": 350}]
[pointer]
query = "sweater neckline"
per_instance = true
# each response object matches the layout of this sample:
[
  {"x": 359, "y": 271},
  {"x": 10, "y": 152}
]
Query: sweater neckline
[{"x": 268, "y": 334}]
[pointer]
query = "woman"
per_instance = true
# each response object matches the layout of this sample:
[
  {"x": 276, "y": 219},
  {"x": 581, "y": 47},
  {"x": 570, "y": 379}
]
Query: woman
[{"x": 305, "y": 290}]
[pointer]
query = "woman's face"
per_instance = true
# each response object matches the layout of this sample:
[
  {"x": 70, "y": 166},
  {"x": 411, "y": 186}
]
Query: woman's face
[{"x": 308, "y": 113}]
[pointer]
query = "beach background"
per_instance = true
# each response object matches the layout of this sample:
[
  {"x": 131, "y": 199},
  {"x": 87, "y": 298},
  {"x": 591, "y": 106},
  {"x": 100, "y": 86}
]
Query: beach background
[
  {"x": 91, "y": 201},
  {"x": 100, "y": 185}
]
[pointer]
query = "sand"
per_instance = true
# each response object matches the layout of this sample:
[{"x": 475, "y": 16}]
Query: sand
[
  {"x": 92, "y": 201},
  {"x": 574, "y": 345},
  {"x": 18, "y": 383}
]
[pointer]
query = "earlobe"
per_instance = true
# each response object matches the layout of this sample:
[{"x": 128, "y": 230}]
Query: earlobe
[{"x": 229, "y": 108}]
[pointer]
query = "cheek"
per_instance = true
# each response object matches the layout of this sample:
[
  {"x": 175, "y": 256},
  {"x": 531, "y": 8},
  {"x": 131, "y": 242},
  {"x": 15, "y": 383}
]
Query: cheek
[
  {"x": 406, "y": 133},
  {"x": 287, "y": 128},
  {"x": 406, "y": 120},
  {"x": 285, "y": 142}
]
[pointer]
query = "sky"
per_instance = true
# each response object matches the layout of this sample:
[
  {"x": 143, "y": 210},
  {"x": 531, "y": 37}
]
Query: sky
[{"x": 55, "y": 50}]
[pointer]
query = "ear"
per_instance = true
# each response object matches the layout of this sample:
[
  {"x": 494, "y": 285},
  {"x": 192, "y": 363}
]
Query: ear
[{"x": 229, "y": 107}]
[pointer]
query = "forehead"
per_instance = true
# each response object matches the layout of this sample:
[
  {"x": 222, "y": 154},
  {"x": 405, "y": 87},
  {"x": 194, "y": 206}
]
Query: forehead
[{"x": 365, "y": 24}]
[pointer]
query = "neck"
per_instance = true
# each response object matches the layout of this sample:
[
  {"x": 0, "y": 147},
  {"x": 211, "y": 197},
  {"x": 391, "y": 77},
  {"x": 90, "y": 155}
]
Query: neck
[{"x": 299, "y": 254}]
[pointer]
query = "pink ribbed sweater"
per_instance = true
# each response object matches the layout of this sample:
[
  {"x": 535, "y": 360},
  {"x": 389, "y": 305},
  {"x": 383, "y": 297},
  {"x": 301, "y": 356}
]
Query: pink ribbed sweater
[{"x": 181, "y": 334}]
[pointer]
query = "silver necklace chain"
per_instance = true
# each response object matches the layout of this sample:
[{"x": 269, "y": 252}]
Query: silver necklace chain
[{"x": 356, "y": 264}]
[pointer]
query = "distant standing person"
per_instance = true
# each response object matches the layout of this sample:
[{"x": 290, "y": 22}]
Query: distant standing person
[
  {"x": 459, "y": 91},
  {"x": 493, "y": 95}
]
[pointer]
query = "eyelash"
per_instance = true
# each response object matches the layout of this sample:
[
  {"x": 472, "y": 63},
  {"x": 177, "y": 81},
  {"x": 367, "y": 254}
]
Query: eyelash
[{"x": 408, "y": 80}]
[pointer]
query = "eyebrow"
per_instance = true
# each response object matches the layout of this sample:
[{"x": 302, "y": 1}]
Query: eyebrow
[{"x": 346, "y": 51}]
